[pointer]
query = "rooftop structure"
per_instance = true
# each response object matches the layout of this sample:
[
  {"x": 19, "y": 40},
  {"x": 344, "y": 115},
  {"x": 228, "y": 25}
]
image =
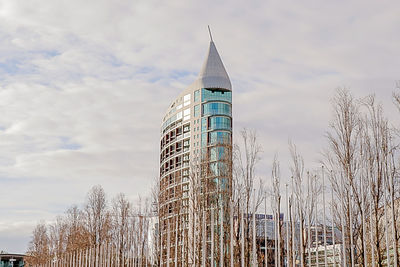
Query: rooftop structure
[{"x": 11, "y": 260}]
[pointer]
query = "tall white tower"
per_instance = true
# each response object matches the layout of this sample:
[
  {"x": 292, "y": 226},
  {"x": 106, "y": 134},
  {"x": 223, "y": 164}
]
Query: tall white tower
[{"x": 195, "y": 164}]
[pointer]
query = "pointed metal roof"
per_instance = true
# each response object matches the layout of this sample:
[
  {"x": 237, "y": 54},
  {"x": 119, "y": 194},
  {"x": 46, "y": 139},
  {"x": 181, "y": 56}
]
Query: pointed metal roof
[{"x": 213, "y": 73}]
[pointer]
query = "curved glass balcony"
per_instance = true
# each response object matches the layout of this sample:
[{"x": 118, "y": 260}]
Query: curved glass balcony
[
  {"x": 217, "y": 108},
  {"x": 215, "y": 94},
  {"x": 220, "y": 123}
]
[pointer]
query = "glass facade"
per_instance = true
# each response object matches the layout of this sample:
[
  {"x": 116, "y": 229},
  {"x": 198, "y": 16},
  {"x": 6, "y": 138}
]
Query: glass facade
[
  {"x": 218, "y": 168},
  {"x": 216, "y": 121},
  {"x": 196, "y": 95},
  {"x": 219, "y": 123},
  {"x": 216, "y": 132},
  {"x": 204, "y": 125},
  {"x": 196, "y": 111},
  {"x": 217, "y": 153},
  {"x": 217, "y": 108},
  {"x": 219, "y": 137},
  {"x": 214, "y": 94}
]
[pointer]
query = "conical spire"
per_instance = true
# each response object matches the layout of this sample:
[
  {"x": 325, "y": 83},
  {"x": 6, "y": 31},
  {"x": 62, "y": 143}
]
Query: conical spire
[{"x": 213, "y": 73}]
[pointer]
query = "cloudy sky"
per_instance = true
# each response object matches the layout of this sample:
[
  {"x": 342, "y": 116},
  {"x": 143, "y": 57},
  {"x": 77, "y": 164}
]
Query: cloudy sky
[{"x": 84, "y": 85}]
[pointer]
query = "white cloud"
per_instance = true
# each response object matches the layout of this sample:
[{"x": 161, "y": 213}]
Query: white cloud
[{"x": 84, "y": 85}]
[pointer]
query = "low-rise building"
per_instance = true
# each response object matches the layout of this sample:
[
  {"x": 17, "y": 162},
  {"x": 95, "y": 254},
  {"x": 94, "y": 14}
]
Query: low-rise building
[{"x": 11, "y": 260}]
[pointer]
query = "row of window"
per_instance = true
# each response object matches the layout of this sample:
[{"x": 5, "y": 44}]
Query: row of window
[
  {"x": 215, "y": 94},
  {"x": 185, "y": 114},
  {"x": 175, "y": 162},
  {"x": 174, "y": 177},
  {"x": 175, "y": 148},
  {"x": 210, "y": 94},
  {"x": 175, "y": 191},
  {"x": 217, "y": 153},
  {"x": 215, "y": 137},
  {"x": 174, "y": 134},
  {"x": 174, "y": 208},
  {"x": 206, "y": 95},
  {"x": 216, "y": 123},
  {"x": 217, "y": 108},
  {"x": 220, "y": 123}
]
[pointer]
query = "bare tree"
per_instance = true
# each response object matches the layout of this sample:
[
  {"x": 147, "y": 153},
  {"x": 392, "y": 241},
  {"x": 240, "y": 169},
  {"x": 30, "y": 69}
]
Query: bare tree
[
  {"x": 343, "y": 161},
  {"x": 246, "y": 155},
  {"x": 97, "y": 217},
  {"x": 297, "y": 170},
  {"x": 156, "y": 238},
  {"x": 58, "y": 235},
  {"x": 39, "y": 246},
  {"x": 78, "y": 236},
  {"x": 276, "y": 207},
  {"x": 379, "y": 152},
  {"x": 121, "y": 213}
]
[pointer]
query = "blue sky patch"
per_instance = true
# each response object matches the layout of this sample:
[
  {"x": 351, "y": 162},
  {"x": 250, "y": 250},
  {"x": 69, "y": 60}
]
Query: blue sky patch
[{"x": 68, "y": 145}]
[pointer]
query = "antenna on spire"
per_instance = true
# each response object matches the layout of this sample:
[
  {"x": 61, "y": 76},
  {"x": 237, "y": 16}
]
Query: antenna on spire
[{"x": 209, "y": 31}]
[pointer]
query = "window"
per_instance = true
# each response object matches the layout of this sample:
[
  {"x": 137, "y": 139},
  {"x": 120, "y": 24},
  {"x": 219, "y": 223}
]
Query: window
[
  {"x": 204, "y": 139},
  {"x": 178, "y": 146},
  {"x": 214, "y": 94},
  {"x": 217, "y": 108},
  {"x": 217, "y": 168},
  {"x": 196, "y": 110},
  {"x": 186, "y": 100},
  {"x": 217, "y": 153},
  {"x": 203, "y": 124},
  {"x": 220, "y": 123},
  {"x": 186, "y": 128},
  {"x": 219, "y": 138},
  {"x": 196, "y": 95}
]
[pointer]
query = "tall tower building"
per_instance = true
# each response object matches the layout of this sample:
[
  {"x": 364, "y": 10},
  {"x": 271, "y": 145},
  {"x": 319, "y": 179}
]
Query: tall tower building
[{"x": 195, "y": 170}]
